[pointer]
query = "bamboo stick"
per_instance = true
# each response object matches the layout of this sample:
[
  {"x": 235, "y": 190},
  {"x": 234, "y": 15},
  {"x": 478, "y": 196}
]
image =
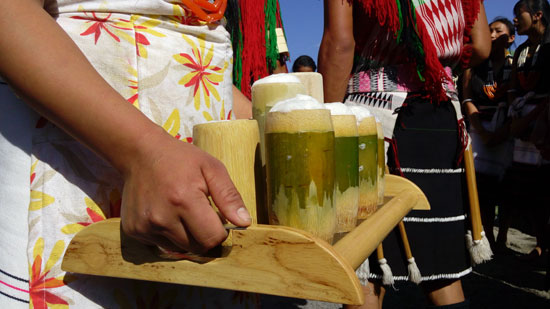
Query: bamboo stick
[
  {"x": 477, "y": 227},
  {"x": 405, "y": 239}
]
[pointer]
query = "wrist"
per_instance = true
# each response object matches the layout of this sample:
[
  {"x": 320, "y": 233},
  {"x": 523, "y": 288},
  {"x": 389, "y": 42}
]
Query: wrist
[{"x": 141, "y": 151}]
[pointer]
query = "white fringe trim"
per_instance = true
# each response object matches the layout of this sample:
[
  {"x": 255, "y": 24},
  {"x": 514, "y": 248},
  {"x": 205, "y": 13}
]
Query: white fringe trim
[
  {"x": 436, "y": 219},
  {"x": 412, "y": 170},
  {"x": 480, "y": 250},
  {"x": 387, "y": 276},
  {"x": 414, "y": 272},
  {"x": 427, "y": 278},
  {"x": 363, "y": 272}
]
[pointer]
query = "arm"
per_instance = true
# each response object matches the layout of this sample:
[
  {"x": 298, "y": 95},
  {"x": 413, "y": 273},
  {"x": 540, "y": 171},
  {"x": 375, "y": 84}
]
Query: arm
[
  {"x": 242, "y": 106},
  {"x": 337, "y": 47},
  {"x": 481, "y": 38},
  {"x": 161, "y": 200}
]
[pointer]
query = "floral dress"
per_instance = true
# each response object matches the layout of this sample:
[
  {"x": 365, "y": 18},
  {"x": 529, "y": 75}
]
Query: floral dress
[{"x": 171, "y": 66}]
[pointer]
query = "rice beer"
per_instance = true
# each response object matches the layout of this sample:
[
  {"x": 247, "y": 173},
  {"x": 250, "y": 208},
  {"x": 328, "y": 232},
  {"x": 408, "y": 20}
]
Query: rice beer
[
  {"x": 381, "y": 162},
  {"x": 300, "y": 166},
  {"x": 368, "y": 161},
  {"x": 346, "y": 175},
  {"x": 268, "y": 91}
]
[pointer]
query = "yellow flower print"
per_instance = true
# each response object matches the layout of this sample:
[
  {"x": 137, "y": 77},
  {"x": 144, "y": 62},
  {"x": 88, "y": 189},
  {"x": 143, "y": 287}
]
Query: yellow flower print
[
  {"x": 139, "y": 38},
  {"x": 42, "y": 280},
  {"x": 95, "y": 214},
  {"x": 39, "y": 199},
  {"x": 172, "y": 124},
  {"x": 204, "y": 74}
]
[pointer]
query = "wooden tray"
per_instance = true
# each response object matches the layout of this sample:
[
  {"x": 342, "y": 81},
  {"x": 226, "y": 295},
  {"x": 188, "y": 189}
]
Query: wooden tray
[{"x": 264, "y": 259}]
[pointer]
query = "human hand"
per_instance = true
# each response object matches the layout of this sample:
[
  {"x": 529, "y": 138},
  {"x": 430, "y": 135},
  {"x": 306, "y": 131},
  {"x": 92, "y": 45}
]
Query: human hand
[{"x": 165, "y": 197}]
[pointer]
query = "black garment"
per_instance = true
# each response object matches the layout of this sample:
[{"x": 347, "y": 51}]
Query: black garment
[
  {"x": 489, "y": 87},
  {"x": 534, "y": 74},
  {"x": 427, "y": 143}
]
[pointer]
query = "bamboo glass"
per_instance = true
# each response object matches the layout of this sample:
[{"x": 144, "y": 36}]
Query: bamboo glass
[
  {"x": 381, "y": 162},
  {"x": 268, "y": 91},
  {"x": 368, "y": 167},
  {"x": 300, "y": 171},
  {"x": 346, "y": 180}
]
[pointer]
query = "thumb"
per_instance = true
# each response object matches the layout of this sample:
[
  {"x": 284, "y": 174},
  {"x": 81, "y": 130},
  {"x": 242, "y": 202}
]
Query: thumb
[{"x": 225, "y": 195}]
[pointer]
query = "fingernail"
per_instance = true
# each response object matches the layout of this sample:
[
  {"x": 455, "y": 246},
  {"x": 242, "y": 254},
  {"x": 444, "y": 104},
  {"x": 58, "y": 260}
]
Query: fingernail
[{"x": 243, "y": 214}]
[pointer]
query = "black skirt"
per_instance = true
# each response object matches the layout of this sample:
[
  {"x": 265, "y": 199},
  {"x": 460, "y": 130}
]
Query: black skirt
[{"x": 426, "y": 150}]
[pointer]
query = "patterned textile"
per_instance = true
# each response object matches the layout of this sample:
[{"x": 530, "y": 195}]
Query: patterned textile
[
  {"x": 445, "y": 24},
  {"x": 169, "y": 65},
  {"x": 426, "y": 140}
]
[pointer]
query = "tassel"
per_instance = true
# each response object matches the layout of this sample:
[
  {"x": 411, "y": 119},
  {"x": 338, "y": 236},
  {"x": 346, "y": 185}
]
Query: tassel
[
  {"x": 386, "y": 11},
  {"x": 387, "y": 276},
  {"x": 363, "y": 272},
  {"x": 414, "y": 272},
  {"x": 254, "y": 47},
  {"x": 476, "y": 241},
  {"x": 480, "y": 250},
  {"x": 234, "y": 27}
]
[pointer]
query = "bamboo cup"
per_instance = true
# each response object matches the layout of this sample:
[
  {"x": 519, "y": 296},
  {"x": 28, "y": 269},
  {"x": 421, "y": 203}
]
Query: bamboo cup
[
  {"x": 381, "y": 162},
  {"x": 313, "y": 83},
  {"x": 266, "y": 92},
  {"x": 300, "y": 166},
  {"x": 236, "y": 144},
  {"x": 368, "y": 162},
  {"x": 346, "y": 157}
]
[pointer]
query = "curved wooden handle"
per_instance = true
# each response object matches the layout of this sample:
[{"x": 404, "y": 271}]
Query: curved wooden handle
[{"x": 357, "y": 245}]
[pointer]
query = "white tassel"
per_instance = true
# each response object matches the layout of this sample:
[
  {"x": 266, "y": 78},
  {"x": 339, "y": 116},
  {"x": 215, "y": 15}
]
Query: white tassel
[
  {"x": 414, "y": 272},
  {"x": 387, "y": 276},
  {"x": 363, "y": 272},
  {"x": 480, "y": 250}
]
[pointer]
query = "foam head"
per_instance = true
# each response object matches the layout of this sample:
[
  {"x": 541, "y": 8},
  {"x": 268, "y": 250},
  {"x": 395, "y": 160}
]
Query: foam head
[
  {"x": 299, "y": 102},
  {"x": 298, "y": 114},
  {"x": 282, "y": 78},
  {"x": 338, "y": 109}
]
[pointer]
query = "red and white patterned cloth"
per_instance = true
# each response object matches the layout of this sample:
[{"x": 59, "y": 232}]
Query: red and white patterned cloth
[{"x": 445, "y": 24}]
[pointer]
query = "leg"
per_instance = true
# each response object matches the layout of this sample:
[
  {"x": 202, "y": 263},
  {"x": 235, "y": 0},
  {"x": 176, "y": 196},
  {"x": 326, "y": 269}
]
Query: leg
[
  {"x": 486, "y": 192},
  {"x": 374, "y": 295},
  {"x": 444, "y": 292}
]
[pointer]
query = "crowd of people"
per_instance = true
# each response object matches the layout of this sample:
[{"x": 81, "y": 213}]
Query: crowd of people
[{"x": 95, "y": 118}]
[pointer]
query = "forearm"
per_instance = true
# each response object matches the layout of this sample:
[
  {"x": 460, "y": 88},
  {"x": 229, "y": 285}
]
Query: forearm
[
  {"x": 481, "y": 38},
  {"x": 337, "y": 47},
  {"x": 57, "y": 80},
  {"x": 242, "y": 107},
  {"x": 335, "y": 64}
]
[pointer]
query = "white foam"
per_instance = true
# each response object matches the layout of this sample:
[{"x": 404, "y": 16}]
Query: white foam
[
  {"x": 299, "y": 102},
  {"x": 360, "y": 112},
  {"x": 282, "y": 78},
  {"x": 377, "y": 120},
  {"x": 337, "y": 109}
]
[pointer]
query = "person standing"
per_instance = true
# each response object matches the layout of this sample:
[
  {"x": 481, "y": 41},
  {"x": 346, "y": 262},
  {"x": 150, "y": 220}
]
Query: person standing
[
  {"x": 395, "y": 57},
  {"x": 115, "y": 89},
  {"x": 484, "y": 100},
  {"x": 527, "y": 179}
]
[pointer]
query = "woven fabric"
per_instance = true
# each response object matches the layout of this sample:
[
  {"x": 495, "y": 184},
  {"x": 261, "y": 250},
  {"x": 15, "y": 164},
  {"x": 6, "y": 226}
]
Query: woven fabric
[
  {"x": 173, "y": 68},
  {"x": 445, "y": 24}
]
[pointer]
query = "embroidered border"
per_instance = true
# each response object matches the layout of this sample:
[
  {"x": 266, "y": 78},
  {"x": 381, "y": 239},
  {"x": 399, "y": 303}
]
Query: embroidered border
[
  {"x": 435, "y": 219},
  {"x": 428, "y": 278},
  {"x": 412, "y": 170}
]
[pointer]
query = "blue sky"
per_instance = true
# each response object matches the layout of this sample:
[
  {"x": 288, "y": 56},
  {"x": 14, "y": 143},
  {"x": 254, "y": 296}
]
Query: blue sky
[{"x": 303, "y": 21}]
